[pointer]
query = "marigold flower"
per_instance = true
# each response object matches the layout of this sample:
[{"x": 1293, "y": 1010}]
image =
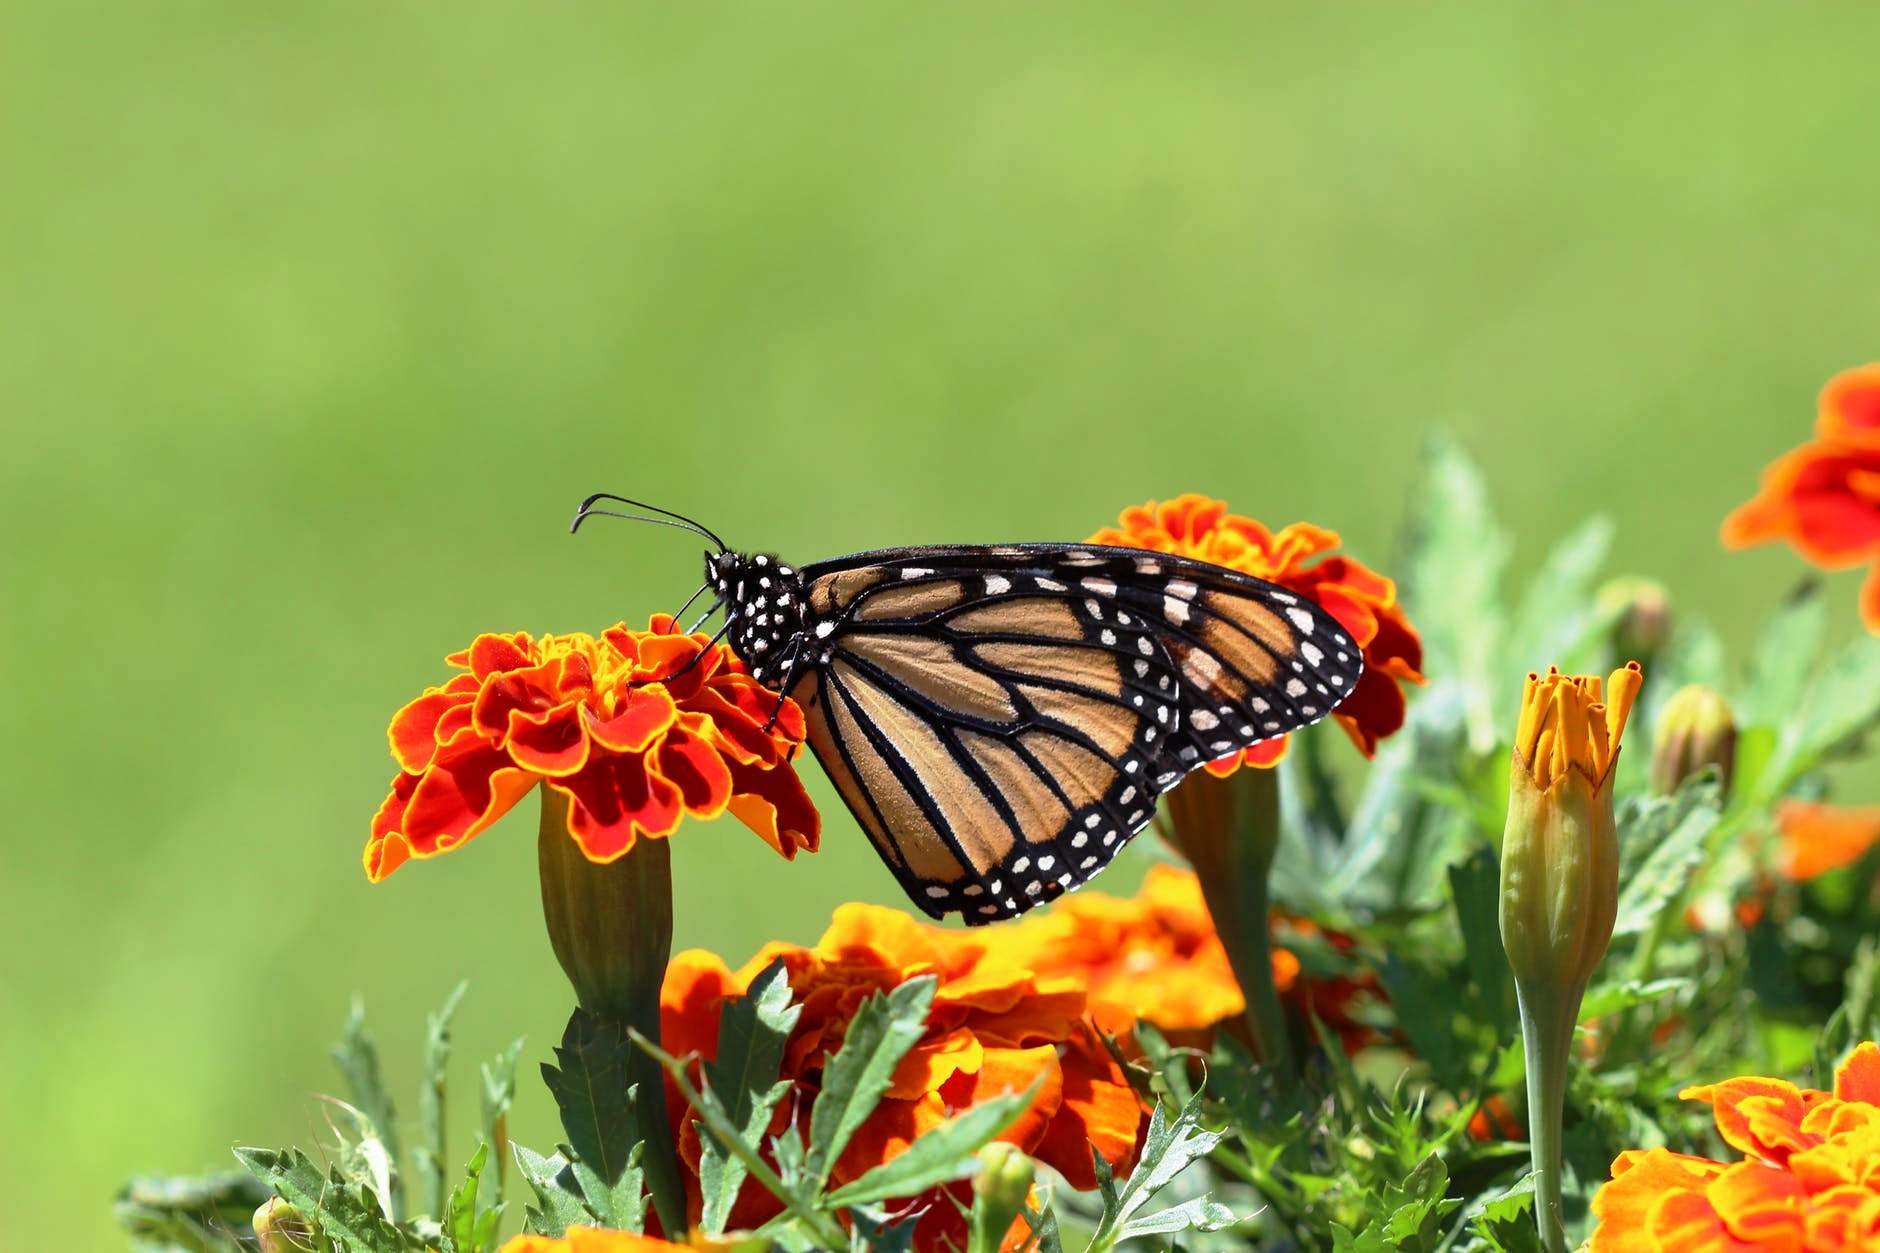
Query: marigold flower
[
  {"x": 1824, "y": 497},
  {"x": 1817, "y": 838},
  {"x": 1298, "y": 558},
  {"x": 1155, "y": 957},
  {"x": 610, "y": 724},
  {"x": 1810, "y": 1177},
  {"x": 995, "y": 1026}
]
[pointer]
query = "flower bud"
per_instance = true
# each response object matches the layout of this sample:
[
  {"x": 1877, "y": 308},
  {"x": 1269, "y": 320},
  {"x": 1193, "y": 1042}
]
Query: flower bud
[
  {"x": 1000, "y": 1191},
  {"x": 1640, "y": 612},
  {"x": 1559, "y": 889},
  {"x": 283, "y": 1229},
  {"x": 1694, "y": 730}
]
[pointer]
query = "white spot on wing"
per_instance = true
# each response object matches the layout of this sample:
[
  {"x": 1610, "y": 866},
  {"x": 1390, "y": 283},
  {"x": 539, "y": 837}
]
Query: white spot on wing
[
  {"x": 996, "y": 584},
  {"x": 1300, "y": 618}
]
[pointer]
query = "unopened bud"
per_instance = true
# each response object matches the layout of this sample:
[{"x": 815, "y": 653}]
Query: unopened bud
[
  {"x": 1695, "y": 730},
  {"x": 1640, "y": 611},
  {"x": 1000, "y": 1191},
  {"x": 283, "y": 1229}
]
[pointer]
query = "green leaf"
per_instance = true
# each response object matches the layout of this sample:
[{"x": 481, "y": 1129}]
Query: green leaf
[
  {"x": 1854, "y": 1019},
  {"x": 1841, "y": 702},
  {"x": 942, "y": 1155},
  {"x": 752, "y": 1033},
  {"x": 344, "y": 1216},
  {"x": 882, "y": 1032},
  {"x": 1168, "y": 1147},
  {"x": 1199, "y": 1213},
  {"x": 556, "y": 1192},
  {"x": 1556, "y": 618},
  {"x": 467, "y": 1225},
  {"x": 1044, "y": 1227},
  {"x": 357, "y": 1057},
  {"x": 620, "y": 1205},
  {"x": 1604, "y": 999},
  {"x": 499, "y": 1094},
  {"x": 591, "y": 1091},
  {"x": 1476, "y": 885},
  {"x": 1663, "y": 838},
  {"x": 430, "y": 1154}
]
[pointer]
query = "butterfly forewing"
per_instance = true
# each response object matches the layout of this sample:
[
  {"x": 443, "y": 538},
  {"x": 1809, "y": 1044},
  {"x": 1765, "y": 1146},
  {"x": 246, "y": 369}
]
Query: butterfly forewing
[{"x": 1002, "y": 720}]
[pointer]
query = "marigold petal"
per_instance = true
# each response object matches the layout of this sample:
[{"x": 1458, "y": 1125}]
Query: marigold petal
[
  {"x": 1686, "y": 1222},
  {"x": 1849, "y": 409},
  {"x": 413, "y": 732},
  {"x": 493, "y": 654},
  {"x": 1870, "y": 599},
  {"x": 1858, "y": 1078},
  {"x": 555, "y": 745},
  {"x": 775, "y": 805},
  {"x": 693, "y": 766},
  {"x": 617, "y": 800},
  {"x": 1759, "y": 1204},
  {"x": 456, "y": 799},
  {"x": 1817, "y": 838},
  {"x": 929, "y": 1065},
  {"x": 1005, "y": 1072},
  {"x": 1100, "y": 1111},
  {"x": 1778, "y": 1105},
  {"x": 641, "y": 715},
  {"x": 387, "y": 849},
  {"x": 691, "y": 1001},
  {"x": 1639, "y": 1178},
  {"x": 887, "y": 1132}
]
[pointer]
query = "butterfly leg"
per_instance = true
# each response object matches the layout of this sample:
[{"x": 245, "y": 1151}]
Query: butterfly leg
[{"x": 783, "y": 688}]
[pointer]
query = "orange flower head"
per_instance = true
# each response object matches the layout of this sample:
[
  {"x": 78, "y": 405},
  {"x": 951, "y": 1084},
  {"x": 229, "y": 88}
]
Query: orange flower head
[
  {"x": 995, "y": 1026},
  {"x": 1817, "y": 838},
  {"x": 1298, "y": 558},
  {"x": 1809, "y": 1178},
  {"x": 1824, "y": 497},
  {"x": 635, "y": 728}
]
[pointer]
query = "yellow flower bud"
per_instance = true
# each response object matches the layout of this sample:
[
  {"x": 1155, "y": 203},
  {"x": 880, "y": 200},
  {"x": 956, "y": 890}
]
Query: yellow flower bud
[
  {"x": 1695, "y": 730},
  {"x": 1559, "y": 852},
  {"x": 1000, "y": 1191},
  {"x": 1560, "y": 888}
]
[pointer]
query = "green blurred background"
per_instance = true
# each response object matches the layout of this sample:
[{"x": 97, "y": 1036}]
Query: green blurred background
[{"x": 316, "y": 321}]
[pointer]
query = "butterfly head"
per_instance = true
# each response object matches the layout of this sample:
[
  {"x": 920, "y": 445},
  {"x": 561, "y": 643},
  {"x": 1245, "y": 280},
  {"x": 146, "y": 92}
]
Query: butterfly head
[{"x": 763, "y": 600}]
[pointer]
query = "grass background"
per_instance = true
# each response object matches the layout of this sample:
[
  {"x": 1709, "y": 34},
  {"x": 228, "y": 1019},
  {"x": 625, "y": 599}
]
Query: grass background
[{"x": 315, "y": 322}]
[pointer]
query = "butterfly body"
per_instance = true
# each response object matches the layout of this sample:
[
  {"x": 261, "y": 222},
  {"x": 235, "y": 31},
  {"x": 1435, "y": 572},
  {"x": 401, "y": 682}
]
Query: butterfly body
[{"x": 1001, "y": 720}]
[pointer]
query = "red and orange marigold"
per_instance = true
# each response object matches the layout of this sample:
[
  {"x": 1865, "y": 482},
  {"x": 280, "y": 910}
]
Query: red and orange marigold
[
  {"x": 995, "y": 1026},
  {"x": 592, "y": 1240},
  {"x": 634, "y": 731},
  {"x": 1816, "y": 838},
  {"x": 1809, "y": 1178},
  {"x": 1824, "y": 497},
  {"x": 1300, "y": 559}
]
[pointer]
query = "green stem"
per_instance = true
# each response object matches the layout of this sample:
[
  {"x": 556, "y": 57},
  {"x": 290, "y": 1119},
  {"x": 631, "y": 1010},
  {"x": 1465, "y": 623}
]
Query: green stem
[
  {"x": 611, "y": 929},
  {"x": 1547, "y": 1021}
]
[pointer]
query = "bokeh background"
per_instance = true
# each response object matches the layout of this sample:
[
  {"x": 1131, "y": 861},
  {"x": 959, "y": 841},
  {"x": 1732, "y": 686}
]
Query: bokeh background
[{"x": 316, "y": 321}]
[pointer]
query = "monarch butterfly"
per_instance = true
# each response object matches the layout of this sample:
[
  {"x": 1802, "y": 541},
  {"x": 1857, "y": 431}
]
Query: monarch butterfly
[{"x": 1001, "y": 719}]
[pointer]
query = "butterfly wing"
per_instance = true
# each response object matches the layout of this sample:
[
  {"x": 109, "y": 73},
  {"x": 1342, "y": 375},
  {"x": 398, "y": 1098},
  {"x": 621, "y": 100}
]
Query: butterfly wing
[{"x": 1002, "y": 720}]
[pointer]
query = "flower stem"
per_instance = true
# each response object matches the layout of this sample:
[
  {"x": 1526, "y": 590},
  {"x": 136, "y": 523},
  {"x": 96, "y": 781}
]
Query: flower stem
[
  {"x": 611, "y": 929},
  {"x": 1228, "y": 829},
  {"x": 1547, "y": 1020}
]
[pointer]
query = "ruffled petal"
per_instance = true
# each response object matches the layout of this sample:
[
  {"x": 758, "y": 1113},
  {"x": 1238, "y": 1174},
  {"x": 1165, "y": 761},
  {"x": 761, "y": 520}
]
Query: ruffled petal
[
  {"x": 617, "y": 800},
  {"x": 1772, "y": 1104},
  {"x": 1858, "y": 1078},
  {"x": 1100, "y": 1111},
  {"x": 456, "y": 799}
]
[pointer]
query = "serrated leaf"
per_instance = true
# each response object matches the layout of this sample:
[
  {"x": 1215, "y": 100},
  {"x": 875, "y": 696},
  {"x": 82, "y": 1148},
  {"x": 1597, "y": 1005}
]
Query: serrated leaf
[
  {"x": 592, "y": 1093},
  {"x": 557, "y": 1194},
  {"x": 882, "y": 1032},
  {"x": 459, "y": 1219},
  {"x": 621, "y": 1204},
  {"x": 344, "y": 1217},
  {"x": 1199, "y": 1213},
  {"x": 1044, "y": 1227},
  {"x": 431, "y": 1151},
  {"x": 1785, "y": 653},
  {"x": 1671, "y": 832},
  {"x": 1168, "y": 1147},
  {"x": 940, "y": 1156},
  {"x": 357, "y": 1056},
  {"x": 752, "y": 1033},
  {"x": 200, "y": 1214}
]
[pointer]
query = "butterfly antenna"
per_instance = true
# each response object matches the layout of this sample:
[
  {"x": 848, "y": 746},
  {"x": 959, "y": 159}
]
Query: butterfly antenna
[
  {"x": 702, "y": 589},
  {"x": 668, "y": 518}
]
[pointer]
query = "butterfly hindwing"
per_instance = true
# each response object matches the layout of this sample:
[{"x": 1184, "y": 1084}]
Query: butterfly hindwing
[{"x": 1002, "y": 720}]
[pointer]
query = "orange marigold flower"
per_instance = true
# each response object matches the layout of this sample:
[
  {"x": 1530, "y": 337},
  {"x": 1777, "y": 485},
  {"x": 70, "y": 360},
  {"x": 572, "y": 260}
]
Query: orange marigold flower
[
  {"x": 996, "y": 1026},
  {"x": 1817, "y": 838},
  {"x": 591, "y": 1240},
  {"x": 1810, "y": 1178},
  {"x": 1824, "y": 497},
  {"x": 1363, "y": 601},
  {"x": 1155, "y": 957},
  {"x": 610, "y": 723},
  {"x": 1495, "y": 1120}
]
